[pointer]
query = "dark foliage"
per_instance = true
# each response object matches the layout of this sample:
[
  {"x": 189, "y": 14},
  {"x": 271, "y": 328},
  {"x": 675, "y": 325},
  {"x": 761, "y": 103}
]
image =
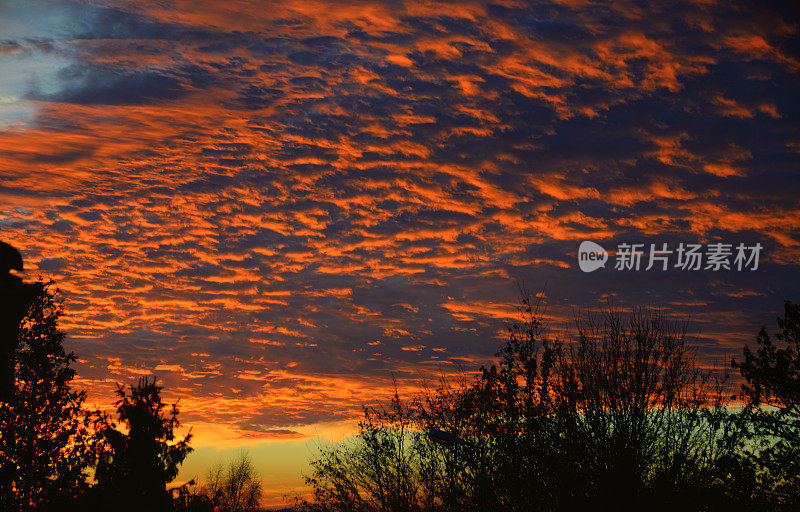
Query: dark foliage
[
  {"x": 45, "y": 448},
  {"x": 772, "y": 394},
  {"x": 139, "y": 455},
  {"x": 617, "y": 416},
  {"x": 49, "y": 442},
  {"x": 232, "y": 488}
]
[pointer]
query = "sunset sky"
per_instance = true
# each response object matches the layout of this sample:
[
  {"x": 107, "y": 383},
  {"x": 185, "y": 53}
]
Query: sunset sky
[{"x": 278, "y": 208}]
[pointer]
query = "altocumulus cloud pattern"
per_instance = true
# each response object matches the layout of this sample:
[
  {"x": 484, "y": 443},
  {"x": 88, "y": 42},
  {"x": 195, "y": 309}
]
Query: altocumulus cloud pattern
[{"x": 277, "y": 206}]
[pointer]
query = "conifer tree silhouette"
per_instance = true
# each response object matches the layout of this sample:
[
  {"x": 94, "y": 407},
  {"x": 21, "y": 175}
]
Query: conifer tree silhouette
[
  {"x": 138, "y": 461},
  {"x": 45, "y": 448}
]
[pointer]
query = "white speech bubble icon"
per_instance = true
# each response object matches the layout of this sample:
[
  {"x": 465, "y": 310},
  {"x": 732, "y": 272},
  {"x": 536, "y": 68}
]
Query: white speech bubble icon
[{"x": 591, "y": 256}]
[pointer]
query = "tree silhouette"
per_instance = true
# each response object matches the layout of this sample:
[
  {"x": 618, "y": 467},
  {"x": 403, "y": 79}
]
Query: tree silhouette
[
  {"x": 772, "y": 394},
  {"x": 232, "y": 488},
  {"x": 638, "y": 421},
  {"x": 137, "y": 461},
  {"x": 44, "y": 441},
  {"x": 618, "y": 416},
  {"x": 235, "y": 488},
  {"x": 380, "y": 470}
]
